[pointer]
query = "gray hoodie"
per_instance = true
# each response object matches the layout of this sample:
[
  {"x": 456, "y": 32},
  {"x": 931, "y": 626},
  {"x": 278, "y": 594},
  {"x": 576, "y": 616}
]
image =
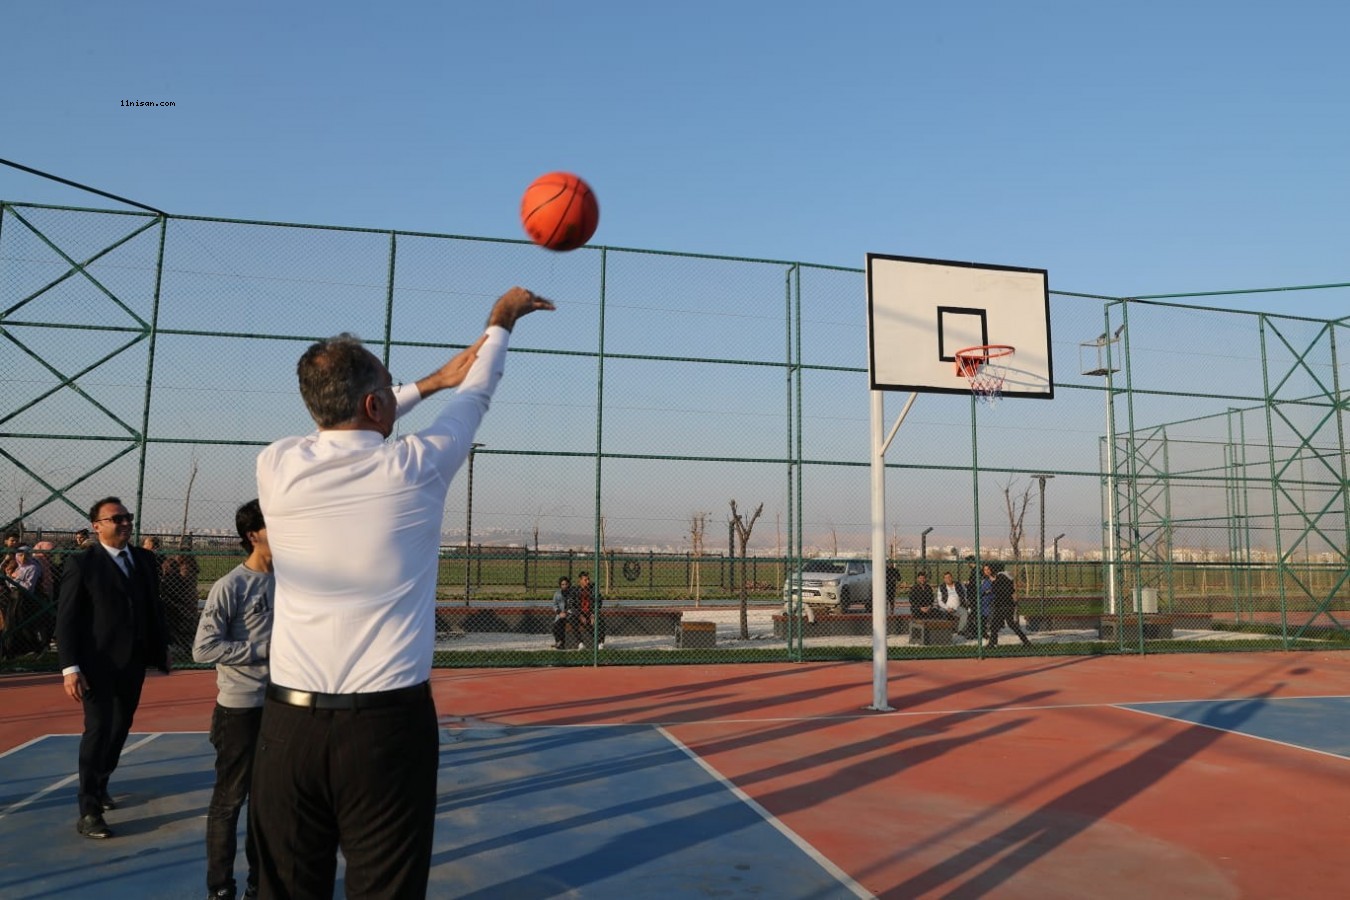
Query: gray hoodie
[{"x": 235, "y": 633}]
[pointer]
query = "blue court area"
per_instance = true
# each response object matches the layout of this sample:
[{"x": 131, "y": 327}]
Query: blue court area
[
  {"x": 1313, "y": 723},
  {"x": 527, "y": 812}
]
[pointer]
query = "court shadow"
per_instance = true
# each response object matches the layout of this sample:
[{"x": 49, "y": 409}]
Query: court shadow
[{"x": 1000, "y": 856}]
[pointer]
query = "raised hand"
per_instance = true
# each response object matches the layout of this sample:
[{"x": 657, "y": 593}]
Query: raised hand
[{"x": 515, "y": 303}]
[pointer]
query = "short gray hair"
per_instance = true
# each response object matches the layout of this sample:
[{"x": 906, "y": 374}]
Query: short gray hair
[{"x": 335, "y": 374}]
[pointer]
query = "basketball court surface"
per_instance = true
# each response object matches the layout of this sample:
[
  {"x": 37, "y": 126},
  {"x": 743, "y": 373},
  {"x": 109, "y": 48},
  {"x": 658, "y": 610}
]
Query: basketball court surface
[{"x": 1197, "y": 775}]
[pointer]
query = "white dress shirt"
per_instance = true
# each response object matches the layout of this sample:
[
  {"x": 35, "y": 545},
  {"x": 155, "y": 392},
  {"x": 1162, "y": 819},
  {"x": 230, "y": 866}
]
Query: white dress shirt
[{"x": 354, "y": 523}]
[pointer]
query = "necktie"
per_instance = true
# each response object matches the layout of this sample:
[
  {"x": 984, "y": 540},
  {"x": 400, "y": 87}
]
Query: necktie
[{"x": 124, "y": 560}]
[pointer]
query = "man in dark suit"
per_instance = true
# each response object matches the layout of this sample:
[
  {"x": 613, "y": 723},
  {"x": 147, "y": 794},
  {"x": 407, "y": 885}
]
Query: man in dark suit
[{"x": 109, "y": 628}]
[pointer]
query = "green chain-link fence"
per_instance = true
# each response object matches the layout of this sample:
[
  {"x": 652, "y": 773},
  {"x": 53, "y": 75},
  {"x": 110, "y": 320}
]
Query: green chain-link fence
[{"x": 1186, "y": 489}]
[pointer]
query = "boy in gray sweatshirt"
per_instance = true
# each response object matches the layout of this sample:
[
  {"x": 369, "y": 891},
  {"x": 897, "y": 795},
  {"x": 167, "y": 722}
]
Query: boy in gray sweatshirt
[{"x": 235, "y": 633}]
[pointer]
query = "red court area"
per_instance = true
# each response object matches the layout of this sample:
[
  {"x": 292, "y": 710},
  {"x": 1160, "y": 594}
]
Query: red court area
[{"x": 1007, "y": 777}]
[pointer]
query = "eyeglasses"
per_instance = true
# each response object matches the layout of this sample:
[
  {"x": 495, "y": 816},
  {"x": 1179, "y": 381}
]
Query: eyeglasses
[{"x": 123, "y": 519}]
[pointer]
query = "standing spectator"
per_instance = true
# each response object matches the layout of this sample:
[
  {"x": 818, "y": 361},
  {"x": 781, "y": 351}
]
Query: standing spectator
[
  {"x": 564, "y": 611},
  {"x": 26, "y": 573},
  {"x": 1004, "y": 603},
  {"x": 892, "y": 587},
  {"x": 979, "y": 615},
  {"x": 348, "y": 751},
  {"x": 82, "y": 539},
  {"x": 151, "y": 542},
  {"x": 11, "y": 544},
  {"x": 590, "y": 624},
  {"x": 42, "y": 554},
  {"x": 986, "y": 598},
  {"x": 24, "y": 605},
  {"x": 44, "y": 617},
  {"x": 921, "y": 604},
  {"x": 178, "y": 589},
  {"x": 109, "y": 627},
  {"x": 235, "y": 633}
]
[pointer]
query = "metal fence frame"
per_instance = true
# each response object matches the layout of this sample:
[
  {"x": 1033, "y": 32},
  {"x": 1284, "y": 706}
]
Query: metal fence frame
[{"x": 1292, "y": 427}]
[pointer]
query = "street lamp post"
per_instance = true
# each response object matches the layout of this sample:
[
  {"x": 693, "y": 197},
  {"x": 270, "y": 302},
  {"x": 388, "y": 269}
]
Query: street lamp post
[
  {"x": 1057, "y": 540},
  {"x": 468, "y": 526},
  {"x": 923, "y": 545},
  {"x": 1042, "y": 479}
]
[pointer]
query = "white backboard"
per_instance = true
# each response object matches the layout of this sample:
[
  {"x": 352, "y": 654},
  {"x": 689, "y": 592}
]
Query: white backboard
[{"x": 921, "y": 311}]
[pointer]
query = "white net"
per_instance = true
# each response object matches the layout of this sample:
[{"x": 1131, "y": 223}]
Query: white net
[{"x": 983, "y": 368}]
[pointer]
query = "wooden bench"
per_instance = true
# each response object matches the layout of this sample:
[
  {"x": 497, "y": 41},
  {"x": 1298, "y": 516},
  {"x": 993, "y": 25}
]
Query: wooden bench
[
  {"x": 696, "y": 635},
  {"x": 929, "y": 632}
]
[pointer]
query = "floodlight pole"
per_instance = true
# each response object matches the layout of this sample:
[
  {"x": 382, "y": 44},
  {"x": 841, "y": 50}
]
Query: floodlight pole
[
  {"x": 1112, "y": 525},
  {"x": 1105, "y": 365},
  {"x": 923, "y": 544},
  {"x": 1042, "y": 479}
]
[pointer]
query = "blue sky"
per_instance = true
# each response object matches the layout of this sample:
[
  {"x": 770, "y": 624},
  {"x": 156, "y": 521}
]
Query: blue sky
[
  {"x": 1140, "y": 148},
  {"x": 1128, "y": 148}
]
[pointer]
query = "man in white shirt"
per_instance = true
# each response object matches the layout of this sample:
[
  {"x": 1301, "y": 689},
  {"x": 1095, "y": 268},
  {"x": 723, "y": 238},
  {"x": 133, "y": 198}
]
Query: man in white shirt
[
  {"x": 348, "y": 751},
  {"x": 951, "y": 596}
]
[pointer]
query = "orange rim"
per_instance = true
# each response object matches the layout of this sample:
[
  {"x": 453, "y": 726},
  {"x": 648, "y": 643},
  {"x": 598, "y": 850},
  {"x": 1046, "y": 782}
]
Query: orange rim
[{"x": 969, "y": 360}]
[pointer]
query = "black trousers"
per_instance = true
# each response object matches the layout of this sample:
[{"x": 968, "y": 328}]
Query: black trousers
[
  {"x": 234, "y": 734},
  {"x": 109, "y": 707},
  {"x": 363, "y": 780},
  {"x": 589, "y": 628},
  {"x": 1005, "y": 614}
]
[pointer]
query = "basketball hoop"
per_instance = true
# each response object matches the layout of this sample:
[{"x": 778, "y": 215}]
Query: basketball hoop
[{"x": 977, "y": 366}]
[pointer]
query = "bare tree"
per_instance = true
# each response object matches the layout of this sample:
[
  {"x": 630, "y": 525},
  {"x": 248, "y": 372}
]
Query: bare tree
[
  {"x": 697, "y": 523},
  {"x": 1017, "y": 511},
  {"x": 743, "y": 529}
]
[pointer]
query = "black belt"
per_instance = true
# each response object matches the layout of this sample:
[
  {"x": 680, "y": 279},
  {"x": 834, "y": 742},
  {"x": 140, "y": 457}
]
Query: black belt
[{"x": 369, "y": 700}]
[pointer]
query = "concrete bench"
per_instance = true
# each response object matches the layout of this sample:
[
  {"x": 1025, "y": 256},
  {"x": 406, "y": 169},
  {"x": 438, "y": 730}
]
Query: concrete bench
[
  {"x": 696, "y": 635},
  {"x": 619, "y": 621},
  {"x": 929, "y": 632},
  {"x": 1156, "y": 627},
  {"x": 835, "y": 625}
]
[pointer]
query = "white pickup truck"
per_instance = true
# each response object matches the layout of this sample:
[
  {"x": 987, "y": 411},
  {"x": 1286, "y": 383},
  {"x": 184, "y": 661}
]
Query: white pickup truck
[{"x": 830, "y": 585}]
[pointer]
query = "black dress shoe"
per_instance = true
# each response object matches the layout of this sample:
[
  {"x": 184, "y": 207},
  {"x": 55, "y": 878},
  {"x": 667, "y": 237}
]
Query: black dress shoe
[
  {"x": 93, "y": 826},
  {"x": 106, "y": 801}
]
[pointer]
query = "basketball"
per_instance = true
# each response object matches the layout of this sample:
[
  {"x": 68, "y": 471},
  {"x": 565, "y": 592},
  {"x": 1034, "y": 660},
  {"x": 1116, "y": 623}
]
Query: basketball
[{"x": 559, "y": 211}]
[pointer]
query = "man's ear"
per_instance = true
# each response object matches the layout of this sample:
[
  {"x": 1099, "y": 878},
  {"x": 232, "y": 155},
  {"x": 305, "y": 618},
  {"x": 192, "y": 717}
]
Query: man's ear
[{"x": 370, "y": 405}]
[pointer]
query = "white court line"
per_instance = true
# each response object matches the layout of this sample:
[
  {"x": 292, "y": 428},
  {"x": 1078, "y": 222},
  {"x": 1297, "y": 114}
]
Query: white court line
[
  {"x": 879, "y": 716},
  {"x": 797, "y": 840},
  {"x": 38, "y": 795},
  {"x": 1245, "y": 734},
  {"x": 25, "y": 745},
  {"x": 1238, "y": 699},
  {"x": 969, "y": 710}
]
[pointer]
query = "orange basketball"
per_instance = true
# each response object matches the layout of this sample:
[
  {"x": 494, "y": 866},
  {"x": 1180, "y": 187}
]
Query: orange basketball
[{"x": 559, "y": 211}]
